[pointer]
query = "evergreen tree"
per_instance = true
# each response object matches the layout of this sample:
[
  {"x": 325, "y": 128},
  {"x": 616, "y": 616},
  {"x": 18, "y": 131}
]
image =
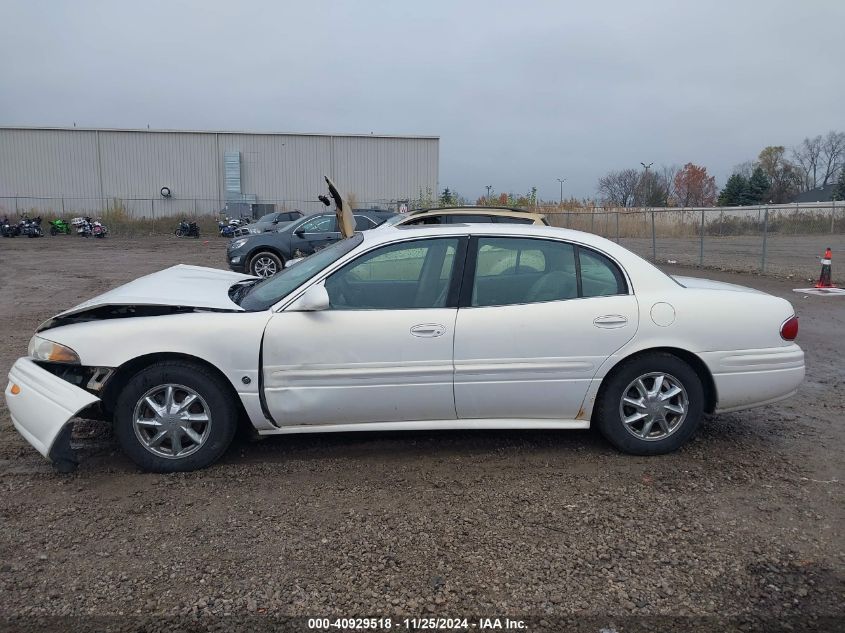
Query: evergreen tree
[
  {"x": 446, "y": 198},
  {"x": 759, "y": 187},
  {"x": 734, "y": 192},
  {"x": 839, "y": 190}
]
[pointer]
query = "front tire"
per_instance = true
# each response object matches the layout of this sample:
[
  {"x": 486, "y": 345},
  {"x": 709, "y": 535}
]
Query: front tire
[
  {"x": 175, "y": 416},
  {"x": 650, "y": 405},
  {"x": 265, "y": 264},
  {"x": 178, "y": 233}
]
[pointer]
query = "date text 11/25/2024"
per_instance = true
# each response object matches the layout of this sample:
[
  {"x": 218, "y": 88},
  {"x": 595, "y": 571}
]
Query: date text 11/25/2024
[{"x": 417, "y": 624}]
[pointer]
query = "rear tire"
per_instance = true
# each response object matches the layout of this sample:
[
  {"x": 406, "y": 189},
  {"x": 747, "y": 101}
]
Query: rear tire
[
  {"x": 265, "y": 264},
  {"x": 54, "y": 231},
  {"x": 650, "y": 405},
  {"x": 175, "y": 416}
]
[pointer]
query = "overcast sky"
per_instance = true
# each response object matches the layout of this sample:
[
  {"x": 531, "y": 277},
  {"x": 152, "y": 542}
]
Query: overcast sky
[{"x": 520, "y": 92}]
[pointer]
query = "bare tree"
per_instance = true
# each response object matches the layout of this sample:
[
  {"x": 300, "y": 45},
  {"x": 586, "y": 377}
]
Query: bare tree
[
  {"x": 667, "y": 175},
  {"x": 744, "y": 169},
  {"x": 806, "y": 157},
  {"x": 832, "y": 157},
  {"x": 783, "y": 176},
  {"x": 619, "y": 188}
]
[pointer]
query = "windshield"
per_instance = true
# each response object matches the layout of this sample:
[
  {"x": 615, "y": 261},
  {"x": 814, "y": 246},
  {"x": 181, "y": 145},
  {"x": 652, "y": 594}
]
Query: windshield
[
  {"x": 264, "y": 293},
  {"x": 267, "y": 218}
]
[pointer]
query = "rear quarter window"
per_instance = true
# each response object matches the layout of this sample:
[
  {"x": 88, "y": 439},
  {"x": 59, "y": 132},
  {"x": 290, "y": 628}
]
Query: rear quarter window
[{"x": 600, "y": 277}]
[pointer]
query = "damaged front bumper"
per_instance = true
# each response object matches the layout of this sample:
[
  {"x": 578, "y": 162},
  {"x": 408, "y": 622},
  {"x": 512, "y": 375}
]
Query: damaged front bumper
[{"x": 41, "y": 405}]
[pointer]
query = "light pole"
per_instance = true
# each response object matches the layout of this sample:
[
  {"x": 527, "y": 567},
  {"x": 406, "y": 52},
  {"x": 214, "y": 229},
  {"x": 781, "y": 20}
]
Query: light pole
[
  {"x": 653, "y": 233},
  {"x": 488, "y": 187},
  {"x": 645, "y": 179},
  {"x": 561, "y": 181}
]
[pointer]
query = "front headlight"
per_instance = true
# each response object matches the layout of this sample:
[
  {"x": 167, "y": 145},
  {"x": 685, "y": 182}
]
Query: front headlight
[
  {"x": 42, "y": 349},
  {"x": 238, "y": 243}
]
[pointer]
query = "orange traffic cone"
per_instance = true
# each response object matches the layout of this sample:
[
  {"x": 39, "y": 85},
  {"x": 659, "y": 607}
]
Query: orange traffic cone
[{"x": 824, "y": 277}]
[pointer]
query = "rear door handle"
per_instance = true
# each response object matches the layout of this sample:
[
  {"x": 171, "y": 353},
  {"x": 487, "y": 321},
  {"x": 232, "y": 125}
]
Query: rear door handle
[
  {"x": 428, "y": 330},
  {"x": 610, "y": 321}
]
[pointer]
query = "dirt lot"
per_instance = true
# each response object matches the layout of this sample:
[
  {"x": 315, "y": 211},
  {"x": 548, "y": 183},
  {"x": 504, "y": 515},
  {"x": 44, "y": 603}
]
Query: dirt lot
[
  {"x": 744, "y": 523},
  {"x": 786, "y": 255}
]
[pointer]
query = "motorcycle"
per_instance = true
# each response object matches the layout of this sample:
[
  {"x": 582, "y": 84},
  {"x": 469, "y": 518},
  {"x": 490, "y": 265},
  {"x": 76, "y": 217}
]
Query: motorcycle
[
  {"x": 30, "y": 227},
  {"x": 8, "y": 229},
  {"x": 225, "y": 229},
  {"x": 187, "y": 229},
  {"x": 98, "y": 229},
  {"x": 59, "y": 226},
  {"x": 228, "y": 227},
  {"x": 84, "y": 226}
]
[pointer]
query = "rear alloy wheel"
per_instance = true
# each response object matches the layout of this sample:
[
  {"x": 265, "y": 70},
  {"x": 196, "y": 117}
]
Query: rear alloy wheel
[
  {"x": 265, "y": 264},
  {"x": 650, "y": 405},
  {"x": 653, "y": 406},
  {"x": 175, "y": 416}
]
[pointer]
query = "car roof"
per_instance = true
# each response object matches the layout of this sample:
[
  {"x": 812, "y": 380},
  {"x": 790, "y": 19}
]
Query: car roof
[{"x": 390, "y": 233}]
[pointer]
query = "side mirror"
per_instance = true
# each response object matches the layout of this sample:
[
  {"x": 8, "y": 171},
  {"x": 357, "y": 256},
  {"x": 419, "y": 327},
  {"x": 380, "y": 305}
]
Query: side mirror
[
  {"x": 314, "y": 299},
  {"x": 299, "y": 232}
]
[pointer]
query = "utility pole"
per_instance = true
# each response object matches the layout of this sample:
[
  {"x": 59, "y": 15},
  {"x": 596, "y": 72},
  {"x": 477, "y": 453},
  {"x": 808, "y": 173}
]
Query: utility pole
[
  {"x": 561, "y": 181},
  {"x": 653, "y": 232}
]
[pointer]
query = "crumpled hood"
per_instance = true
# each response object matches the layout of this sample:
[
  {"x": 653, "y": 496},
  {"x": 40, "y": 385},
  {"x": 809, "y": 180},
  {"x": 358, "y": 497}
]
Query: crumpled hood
[
  {"x": 709, "y": 284},
  {"x": 181, "y": 285}
]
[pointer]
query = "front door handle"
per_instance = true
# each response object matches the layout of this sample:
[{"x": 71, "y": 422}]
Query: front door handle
[
  {"x": 428, "y": 330},
  {"x": 609, "y": 321}
]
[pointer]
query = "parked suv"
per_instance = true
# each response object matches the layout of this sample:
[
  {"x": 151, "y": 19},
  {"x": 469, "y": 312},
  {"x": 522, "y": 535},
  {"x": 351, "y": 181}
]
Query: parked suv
[{"x": 265, "y": 254}]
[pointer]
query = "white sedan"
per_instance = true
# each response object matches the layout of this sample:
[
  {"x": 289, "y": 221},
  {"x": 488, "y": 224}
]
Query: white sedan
[{"x": 456, "y": 326}]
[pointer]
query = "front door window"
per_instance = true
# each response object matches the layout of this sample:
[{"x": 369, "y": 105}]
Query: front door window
[{"x": 404, "y": 276}]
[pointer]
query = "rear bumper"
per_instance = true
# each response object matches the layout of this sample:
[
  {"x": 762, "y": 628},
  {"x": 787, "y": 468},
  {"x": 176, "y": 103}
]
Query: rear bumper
[
  {"x": 43, "y": 405},
  {"x": 755, "y": 377}
]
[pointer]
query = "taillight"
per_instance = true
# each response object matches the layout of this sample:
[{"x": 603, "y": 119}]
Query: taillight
[{"x": 789, "y": 329}]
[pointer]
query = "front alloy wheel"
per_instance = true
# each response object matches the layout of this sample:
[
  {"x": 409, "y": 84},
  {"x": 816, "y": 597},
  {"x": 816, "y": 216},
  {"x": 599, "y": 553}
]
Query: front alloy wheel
[
  {"x": 265, "y": 264},
  {"x": 175, "y": 415},
  {"x": 172, "y": 421}
]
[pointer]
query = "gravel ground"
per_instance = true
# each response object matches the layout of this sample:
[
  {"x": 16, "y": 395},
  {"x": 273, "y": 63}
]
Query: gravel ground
[{"x": 744, "y": 523}]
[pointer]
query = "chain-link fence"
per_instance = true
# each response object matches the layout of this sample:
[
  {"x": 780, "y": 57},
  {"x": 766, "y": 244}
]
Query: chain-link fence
[
  {"x": 785, "y": 239},
  {"x": 775, "y": 239}
]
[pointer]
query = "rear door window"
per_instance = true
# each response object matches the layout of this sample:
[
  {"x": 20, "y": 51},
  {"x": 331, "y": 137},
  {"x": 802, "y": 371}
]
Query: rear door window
[{"x": 511, "y": 270}]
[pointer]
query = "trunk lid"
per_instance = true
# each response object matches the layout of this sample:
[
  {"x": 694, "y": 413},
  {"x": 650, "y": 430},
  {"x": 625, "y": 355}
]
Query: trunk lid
[{"x": 709, "y": 284}]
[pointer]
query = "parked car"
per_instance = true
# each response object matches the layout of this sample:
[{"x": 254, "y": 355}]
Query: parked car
[
  {"x": 464, "y": 326},
  {"x": 472, "y": 215},
  {"x": 270, "y": 222},
  {"x": 266, "y": 254}
]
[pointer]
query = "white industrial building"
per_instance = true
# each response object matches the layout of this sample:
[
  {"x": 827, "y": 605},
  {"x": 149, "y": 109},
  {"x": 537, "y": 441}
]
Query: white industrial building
[{"x": 157, "y": 173}]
